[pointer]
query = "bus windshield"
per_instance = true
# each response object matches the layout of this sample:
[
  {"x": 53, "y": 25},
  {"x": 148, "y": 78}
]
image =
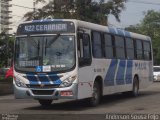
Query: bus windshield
[{"x": 56, "y": 53}]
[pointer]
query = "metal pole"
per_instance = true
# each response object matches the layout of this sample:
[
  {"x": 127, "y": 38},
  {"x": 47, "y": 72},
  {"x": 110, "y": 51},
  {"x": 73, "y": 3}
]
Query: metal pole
[{"x": 34, "y": 8}]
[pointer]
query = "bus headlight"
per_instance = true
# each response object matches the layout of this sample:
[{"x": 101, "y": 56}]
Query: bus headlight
[
  {"x": 19, "y": 83},
  {"x": 68, "y": 82}
]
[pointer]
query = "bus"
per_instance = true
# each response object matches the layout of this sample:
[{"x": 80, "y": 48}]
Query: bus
[{"x": 72, "y": 59}]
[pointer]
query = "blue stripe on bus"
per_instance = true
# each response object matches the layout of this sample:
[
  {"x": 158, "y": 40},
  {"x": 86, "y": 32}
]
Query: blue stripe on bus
[
  {"x": 128, "y": 77},
  {"x": 112, "y": 30},
  {"x": 58, "y": 82},
  {"x": 32, "y": 79},
  {"x": 127, "y": 34},
  {"x": 121, "y": 72},
  {"x": 43, "y": 79},
  {"x": 120, "y": 32},
  {"x": 55, "y": 78},
  {"x": 109, "y": 79}
]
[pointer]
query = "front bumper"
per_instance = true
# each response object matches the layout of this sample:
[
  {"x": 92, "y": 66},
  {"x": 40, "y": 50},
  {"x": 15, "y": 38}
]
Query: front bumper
[{"x": 23, "y": 93}]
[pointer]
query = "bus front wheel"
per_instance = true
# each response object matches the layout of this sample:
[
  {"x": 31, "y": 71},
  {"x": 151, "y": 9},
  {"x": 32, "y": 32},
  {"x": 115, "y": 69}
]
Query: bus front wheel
[
  {"x": 45, "y": 102},
  {"x": 95, "y": 99}
]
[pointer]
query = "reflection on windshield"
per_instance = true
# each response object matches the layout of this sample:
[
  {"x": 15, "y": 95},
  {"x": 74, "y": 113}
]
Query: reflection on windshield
[{"x": 57, "y": 52}]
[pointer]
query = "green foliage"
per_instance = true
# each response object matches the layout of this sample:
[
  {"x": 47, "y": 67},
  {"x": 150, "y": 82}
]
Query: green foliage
[
  {"x": 4, "y": 80},
  {"x": 87, "y": 10},
  {"x": 6, "y": 49},
  {"x": 150, "y": 26}
]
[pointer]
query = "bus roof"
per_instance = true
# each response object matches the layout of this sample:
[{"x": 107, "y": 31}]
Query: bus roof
[
  {"x": 112, "y": 30},
  {"x": 97, "y": 27}
]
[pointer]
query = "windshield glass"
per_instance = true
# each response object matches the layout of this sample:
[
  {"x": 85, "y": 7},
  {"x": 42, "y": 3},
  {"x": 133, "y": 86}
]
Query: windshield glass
[
  {"x": 156, "y": 69},
  {"x": 45, "y": 53}
]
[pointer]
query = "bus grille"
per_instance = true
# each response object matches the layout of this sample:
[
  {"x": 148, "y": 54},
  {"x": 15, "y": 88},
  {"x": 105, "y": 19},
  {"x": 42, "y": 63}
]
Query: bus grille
[
  {"x": 42, "y": 92},
  {"x": 44, "y": 86}
]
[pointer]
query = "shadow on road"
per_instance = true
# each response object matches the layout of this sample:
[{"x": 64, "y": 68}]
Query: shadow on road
[
  {"x": 81, "y": 105},
  {"x": 69, "y": 106}
]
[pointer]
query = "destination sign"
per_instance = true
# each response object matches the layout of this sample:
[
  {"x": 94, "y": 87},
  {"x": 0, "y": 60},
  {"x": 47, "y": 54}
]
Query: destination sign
[
  {"x": 46, "y": 28},
  {"x": 49, "y": 27}
]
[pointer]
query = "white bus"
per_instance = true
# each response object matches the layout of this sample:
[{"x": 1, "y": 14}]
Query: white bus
[{"x": 73, "y": 59}]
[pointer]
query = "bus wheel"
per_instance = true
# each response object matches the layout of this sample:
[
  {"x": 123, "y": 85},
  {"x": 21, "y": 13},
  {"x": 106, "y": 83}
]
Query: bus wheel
[
  {"x": 135, "y": 90},
  {"x": 45, "y": 102},
  {"x": 95, "y": 99}
]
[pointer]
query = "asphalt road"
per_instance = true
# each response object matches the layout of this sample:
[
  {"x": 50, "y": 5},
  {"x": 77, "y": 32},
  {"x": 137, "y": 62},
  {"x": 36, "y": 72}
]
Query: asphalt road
[{"x": 148, "y": 102}]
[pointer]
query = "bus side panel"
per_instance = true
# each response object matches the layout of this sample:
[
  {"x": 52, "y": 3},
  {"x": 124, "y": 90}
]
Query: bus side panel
[
  {"x": 144, "y": 70},
  {"x": 118, "y": 76},
  {"x": 85, "y": 81},
  {"x": 109, "y": 73}
]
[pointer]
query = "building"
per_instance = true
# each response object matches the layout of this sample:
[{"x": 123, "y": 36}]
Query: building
[{"x": 4, "y": 16}]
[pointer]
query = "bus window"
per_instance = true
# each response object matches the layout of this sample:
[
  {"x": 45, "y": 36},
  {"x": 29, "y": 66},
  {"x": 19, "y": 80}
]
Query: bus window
[
  {"x": 84, "y": 52},
  {"x": 139, "y": 50},
  {"x": 119, "y": 44},
  {"x": 97, "y": 45},
  {"x": 147, "y": 50},
  {"x": 129, "y": 48},
  {"x": 108, "y": 46}
]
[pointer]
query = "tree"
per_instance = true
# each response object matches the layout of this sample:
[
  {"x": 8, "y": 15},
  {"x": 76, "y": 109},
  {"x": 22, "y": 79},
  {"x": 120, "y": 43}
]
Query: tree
[
  {"x": 150, "y": 26},
  {"x": 6, "y": 49},
  {"x": 87, "y": 10}
]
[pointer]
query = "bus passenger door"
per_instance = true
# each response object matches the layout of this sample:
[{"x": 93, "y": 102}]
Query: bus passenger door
[{"x": 84, "y": 72}]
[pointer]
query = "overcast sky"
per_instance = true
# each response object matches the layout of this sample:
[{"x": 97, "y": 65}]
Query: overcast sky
[{"x": 133, "y": 13}]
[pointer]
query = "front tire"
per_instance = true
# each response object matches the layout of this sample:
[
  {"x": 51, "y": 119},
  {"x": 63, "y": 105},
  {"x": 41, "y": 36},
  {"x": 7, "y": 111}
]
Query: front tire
[
  {"x": 95, "y": 99},
  {"x": 45, "y": 102}
]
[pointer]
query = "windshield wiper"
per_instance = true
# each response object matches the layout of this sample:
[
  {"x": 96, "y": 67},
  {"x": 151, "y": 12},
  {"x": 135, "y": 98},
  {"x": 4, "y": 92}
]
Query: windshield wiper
[
  {"x": 59, "y": 53},
  {"x": 52, "y": 41},
  {"x": 47, "y": 45}
]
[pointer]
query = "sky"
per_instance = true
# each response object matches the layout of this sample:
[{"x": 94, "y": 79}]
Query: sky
[{"x": 132, "y": 14}]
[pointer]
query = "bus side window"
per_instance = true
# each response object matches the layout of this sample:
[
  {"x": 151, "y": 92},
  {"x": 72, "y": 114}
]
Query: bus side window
[
  {"x": 147, "y": 50},
  {"x": 97, "y": 45},
  {"x": 84, "y": 52},
  {"x": 108, "y": 46},
  {"x": 130, "y": 48},
  {"x": 120, "y": 48},
  {"x": 139, "y": 50}
]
